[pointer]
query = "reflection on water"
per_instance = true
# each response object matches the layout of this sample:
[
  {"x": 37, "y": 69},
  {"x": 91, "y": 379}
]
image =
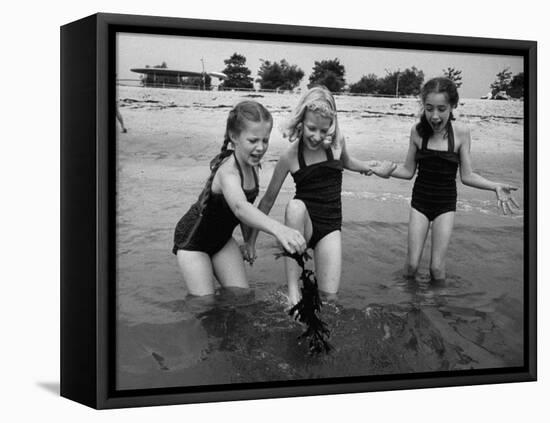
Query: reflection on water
[
  {"x": 380, "y": 323},
  {"x": 234, "y": 337}
]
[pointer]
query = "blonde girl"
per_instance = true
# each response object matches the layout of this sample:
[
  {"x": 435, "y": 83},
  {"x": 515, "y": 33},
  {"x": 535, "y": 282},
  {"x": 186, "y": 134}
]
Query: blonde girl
[{"x": 315, "y": 159}]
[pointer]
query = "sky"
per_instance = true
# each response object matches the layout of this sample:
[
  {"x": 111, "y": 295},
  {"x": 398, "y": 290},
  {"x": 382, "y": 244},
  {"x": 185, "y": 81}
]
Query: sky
[{"x": 185, "y": 53}]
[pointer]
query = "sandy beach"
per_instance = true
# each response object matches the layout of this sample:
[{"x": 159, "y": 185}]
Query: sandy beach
[{"x": 380, "y": 324}]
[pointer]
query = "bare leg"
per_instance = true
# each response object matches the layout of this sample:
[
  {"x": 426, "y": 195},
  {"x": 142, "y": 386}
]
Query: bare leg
[
  {"x": 442, "y": 228},
  {"x": 418, "y": 230},
  {"x": 229, "y": 266},
  {"x": 196, "y": 268},
  {"x": 297, "y": 217},
  {"x": 328, "y": 262},
  {"x": 121, "y": 121}
]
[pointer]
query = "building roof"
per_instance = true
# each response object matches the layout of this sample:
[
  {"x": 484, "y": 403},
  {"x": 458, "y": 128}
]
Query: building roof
[{"x": 175, "y": 72}]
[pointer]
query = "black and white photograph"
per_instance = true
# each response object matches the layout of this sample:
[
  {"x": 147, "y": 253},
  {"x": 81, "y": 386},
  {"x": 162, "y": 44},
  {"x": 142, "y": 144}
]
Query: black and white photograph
[
  {"x": 275, "y": 211},
  {"x": 290, "y": 212}
]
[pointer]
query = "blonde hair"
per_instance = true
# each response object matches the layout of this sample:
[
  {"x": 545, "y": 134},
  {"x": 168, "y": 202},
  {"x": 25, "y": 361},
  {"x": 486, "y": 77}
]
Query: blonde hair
[{"x": 318, "y": 100}]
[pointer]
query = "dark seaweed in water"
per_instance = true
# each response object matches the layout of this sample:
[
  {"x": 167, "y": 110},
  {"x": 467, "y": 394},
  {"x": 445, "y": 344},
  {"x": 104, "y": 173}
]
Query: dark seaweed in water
[{"x": 317, "y": 332}]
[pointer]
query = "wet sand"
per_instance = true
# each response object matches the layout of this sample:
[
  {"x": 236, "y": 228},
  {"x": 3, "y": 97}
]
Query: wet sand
[{"x": 380, "y": 324}]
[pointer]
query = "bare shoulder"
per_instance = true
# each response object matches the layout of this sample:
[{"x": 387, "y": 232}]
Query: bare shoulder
[
  {"x": 226, "y": 172},
  {"x": 228, "y": 166},
  {"x": 462, "y": 134},
  {"x": 289, "y": 157},
  {"x": 292, "y": 150},
  {"x": 460, "y": 129}
]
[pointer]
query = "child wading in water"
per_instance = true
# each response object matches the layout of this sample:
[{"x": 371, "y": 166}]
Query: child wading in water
[
  {"x": 438, "y": 148},
  {"x": 203, "y": 239},
  {"x": 315, "y": 161}
]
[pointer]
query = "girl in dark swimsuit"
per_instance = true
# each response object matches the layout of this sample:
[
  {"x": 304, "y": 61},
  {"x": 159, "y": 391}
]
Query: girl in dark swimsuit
[
  {"x": 438, "y": 149},
  {"x": 316, "y": 160},
  {"x": 203, "y": 239}
]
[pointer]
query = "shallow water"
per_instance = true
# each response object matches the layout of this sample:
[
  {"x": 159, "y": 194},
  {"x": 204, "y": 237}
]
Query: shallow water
[{"x": 380, "y": 323}]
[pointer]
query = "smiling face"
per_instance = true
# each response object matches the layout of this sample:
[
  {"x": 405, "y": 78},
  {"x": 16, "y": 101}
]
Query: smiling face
[
  {"x": 437, "y": 110},
  {"x": 251, "y": 142},
  {"x": 315, "y": 129}
]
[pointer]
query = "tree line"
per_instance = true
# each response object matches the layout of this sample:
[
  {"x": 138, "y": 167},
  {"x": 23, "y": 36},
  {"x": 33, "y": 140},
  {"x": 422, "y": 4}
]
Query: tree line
[{"x": 283, "y": 76}]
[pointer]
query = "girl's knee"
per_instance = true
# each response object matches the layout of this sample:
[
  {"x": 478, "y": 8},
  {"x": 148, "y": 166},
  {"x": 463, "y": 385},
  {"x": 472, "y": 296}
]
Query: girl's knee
[{"x": 295, "y": 211}]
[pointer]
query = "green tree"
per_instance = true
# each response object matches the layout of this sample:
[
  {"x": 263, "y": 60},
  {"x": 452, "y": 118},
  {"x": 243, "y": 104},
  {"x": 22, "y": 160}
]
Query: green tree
[
  {"x": 238, "y": 75},
  {"x": 368, "y": 84},
  {"x": 516, "y": 86},
  {"x": 410, "y": 81},
  {"x": 329, "y": 73},
  {"x": 503, "y": 81},
  {"x": 454, "y": 75},
  {"x": 388, "y": 84},
  {"x": 407, "y": 82},
  {"x": 281, "y": 76}
]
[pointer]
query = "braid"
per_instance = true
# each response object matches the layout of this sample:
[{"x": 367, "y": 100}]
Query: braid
[
  {"x": 423, "y": 128},
  {"x": 214, "y": 166}
]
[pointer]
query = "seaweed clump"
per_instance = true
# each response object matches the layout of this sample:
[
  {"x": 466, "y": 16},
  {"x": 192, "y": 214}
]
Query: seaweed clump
[{"x": 307, "y": 309}]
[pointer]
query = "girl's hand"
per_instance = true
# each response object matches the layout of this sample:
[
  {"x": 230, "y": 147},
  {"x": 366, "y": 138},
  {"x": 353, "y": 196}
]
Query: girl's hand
[
  {"x": 504, "y": 198},
  {"x": 384, "y": 169},
  {"x": 370, "y": 164},
  {"x": 248, "y": 251},
  {"x": 291, "y": 240}
]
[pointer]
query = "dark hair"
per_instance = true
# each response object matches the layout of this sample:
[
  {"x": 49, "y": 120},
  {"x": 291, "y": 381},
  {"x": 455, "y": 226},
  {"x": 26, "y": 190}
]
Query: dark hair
[
  {"x": 437, "y": 85},
  {"x": 243, "y": 112}
]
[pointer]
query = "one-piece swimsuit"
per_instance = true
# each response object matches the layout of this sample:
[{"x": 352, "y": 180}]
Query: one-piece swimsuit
[
  {"x": 217, "y": 224},
  {"x": 319, "y": 186},
  {"x": 434, "y": 191}
]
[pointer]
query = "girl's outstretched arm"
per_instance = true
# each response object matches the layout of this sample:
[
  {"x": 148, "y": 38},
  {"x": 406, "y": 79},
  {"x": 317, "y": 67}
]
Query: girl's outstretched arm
[
  {"x": 470, "y": 178},
  {"x": 230, "y": 183},
  {"x": 382, "y": 169},
  {"x": 266, "y": 203},
  {"x": 407, "y": 169}
]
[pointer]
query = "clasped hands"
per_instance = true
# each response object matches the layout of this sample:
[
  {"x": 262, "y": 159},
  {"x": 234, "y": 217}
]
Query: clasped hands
[{"x": 382, "y": 169}]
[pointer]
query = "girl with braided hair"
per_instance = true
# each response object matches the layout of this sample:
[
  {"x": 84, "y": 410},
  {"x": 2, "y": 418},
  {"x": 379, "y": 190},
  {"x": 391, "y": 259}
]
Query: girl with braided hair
[{"x": 203, "y": 241}]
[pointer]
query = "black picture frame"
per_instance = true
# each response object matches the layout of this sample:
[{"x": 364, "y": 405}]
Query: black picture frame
[{"x": 88, "y": 193}]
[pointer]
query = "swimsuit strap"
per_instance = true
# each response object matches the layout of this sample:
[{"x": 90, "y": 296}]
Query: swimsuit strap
[
  {"x": 301, "y": 160},
  {"x": 256, "y": 183},
  {"x": 240, "y": 170},
  {"x": 242, "y": 176}
]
